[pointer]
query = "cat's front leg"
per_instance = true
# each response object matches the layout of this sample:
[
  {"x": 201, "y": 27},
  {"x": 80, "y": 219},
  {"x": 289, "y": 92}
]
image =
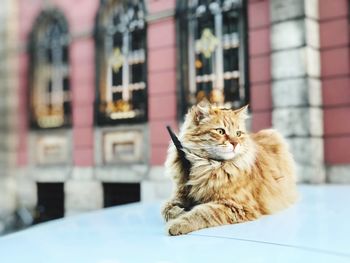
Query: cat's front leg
[
  {"x": 171, "y": 210},
  {"x": 204, "y": 216}
]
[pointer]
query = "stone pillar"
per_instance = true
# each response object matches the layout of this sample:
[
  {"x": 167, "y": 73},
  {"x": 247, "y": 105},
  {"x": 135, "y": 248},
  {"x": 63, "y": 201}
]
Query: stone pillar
[
  {"x": 296, "y": 86},
  {"x": 82, "y": 192},
  {"x": 8, "y": 106}
]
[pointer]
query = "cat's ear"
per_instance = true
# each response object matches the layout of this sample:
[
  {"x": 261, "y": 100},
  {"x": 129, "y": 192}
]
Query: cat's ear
[
  {"x": 201, "y": 110},
  {"x": 242, "y": 112}
]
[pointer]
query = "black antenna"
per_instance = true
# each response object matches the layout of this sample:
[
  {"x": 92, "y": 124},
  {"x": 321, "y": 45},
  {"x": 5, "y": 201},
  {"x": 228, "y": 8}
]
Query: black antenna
[
  {"x": 174, "y": 138},
  {"x": 186, "y": 163}
]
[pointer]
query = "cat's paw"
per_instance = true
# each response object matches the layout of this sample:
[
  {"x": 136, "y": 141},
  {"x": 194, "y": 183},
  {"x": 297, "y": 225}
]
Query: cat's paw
[
  {"x": 178, "y": 227},
  {"x": 173, "y": 212}
]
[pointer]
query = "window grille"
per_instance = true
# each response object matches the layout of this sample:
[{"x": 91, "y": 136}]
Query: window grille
[
  {"x": 49, "y": 72},
  {"x": 121, "y": 62},
  {"x": 213, "y": 62}
]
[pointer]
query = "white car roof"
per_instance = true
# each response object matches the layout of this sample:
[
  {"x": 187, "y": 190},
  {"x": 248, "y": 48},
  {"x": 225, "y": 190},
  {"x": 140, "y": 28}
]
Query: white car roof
[{"x": 316, "y": 229}]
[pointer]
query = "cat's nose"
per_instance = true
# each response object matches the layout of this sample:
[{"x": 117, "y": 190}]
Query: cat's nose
[{"x": 234, "y": 144}]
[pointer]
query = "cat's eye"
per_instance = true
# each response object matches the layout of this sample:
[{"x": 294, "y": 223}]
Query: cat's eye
[
  {"x": 238, "y": 133},
  {"x": 220, "y": 131}
]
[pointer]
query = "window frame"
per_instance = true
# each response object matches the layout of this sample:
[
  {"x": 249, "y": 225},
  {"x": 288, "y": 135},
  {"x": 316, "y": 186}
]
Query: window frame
[
  {"x": 183, "y": 71},
  {"x": 54, "y": 16},
  {"x": 100, "y": 118}
]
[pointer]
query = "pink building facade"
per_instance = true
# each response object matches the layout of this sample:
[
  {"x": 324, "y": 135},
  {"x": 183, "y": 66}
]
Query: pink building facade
[{"x": 297, "y": 67}]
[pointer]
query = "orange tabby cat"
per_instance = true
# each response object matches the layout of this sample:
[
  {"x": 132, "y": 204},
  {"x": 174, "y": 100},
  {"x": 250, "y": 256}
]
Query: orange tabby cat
[{"x": 234, "y": 176}]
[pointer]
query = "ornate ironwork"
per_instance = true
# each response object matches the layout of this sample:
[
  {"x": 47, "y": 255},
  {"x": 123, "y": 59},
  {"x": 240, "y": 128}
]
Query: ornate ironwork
[
  {"x": 121, "y": 62},
  {"x": 117, "y": 60},
  {"x": 207, "y": 43},
  {"x": 213, "y": 52}
]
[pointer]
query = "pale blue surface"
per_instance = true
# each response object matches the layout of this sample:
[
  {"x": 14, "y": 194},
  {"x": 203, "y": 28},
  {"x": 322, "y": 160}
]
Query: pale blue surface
[{"x": 317, "y": 229}]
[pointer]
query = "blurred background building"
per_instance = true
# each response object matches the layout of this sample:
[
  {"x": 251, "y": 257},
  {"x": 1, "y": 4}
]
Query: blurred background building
[{"x": 87, "y": 88}]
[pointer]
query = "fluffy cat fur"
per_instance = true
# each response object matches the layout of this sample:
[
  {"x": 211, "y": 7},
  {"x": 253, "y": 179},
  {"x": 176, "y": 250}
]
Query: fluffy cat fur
[{"x": 234, "y": 177}]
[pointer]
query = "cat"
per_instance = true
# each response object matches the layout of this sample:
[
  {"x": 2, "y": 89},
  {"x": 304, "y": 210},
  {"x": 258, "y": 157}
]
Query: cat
[{"x": 234, "y": 176}]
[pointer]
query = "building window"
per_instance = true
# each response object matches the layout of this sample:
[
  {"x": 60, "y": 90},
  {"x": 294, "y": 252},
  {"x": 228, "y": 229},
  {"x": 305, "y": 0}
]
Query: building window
[
  {"x": 121, "y": 193},
  {"x": 49, "y": 72},
  {"x": 213, "y": 60},
  {"x": 50, "y": 202},
  {"x": 121, "y": 62}
]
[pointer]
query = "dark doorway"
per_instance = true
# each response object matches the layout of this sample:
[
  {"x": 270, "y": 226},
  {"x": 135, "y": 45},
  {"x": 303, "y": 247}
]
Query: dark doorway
[
  {"x": 120, "y": 193},
  {"x": 50, "y": 202}
]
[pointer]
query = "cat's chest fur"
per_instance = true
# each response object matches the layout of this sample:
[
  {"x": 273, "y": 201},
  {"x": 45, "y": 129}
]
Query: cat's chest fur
[{"x": 213, "y": 182}]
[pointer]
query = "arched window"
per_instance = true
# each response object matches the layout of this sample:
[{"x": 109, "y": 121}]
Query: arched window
[
  {"x": 121, "y": 62},
  {"x": 213, "y": 44},
  {"x": 49, "y": 71}
]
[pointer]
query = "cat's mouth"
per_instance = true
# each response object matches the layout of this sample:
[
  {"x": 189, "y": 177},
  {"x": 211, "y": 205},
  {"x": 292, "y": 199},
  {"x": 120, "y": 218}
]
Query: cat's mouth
[{"x": 224, "y": 152}]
